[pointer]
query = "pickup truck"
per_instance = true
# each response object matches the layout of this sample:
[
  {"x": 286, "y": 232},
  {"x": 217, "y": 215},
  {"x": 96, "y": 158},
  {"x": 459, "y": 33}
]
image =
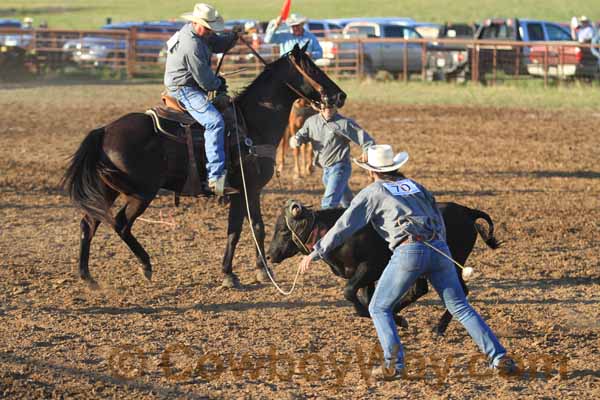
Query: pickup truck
[
  {"x": 378, "y": 54},
  {"x": 447, "y": 61},
  {"x": 565, "y": 61},
  {"x": 101, "y": 50},
  {"x": 511, "y": 60}
]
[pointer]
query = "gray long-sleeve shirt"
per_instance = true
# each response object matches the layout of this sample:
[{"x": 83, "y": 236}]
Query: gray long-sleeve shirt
[
  {"x": 396, "y": 210},
  {"x": 331, "y": 139},
  {"x": 188, "y": 59}
]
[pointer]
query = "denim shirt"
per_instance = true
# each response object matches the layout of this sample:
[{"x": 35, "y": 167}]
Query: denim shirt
[
  {"x": 331, "y": 139},
  {"x": 287, "y": 40},
  {"x": 189, "y": 59},
  {"x": 396, "y": 210}
]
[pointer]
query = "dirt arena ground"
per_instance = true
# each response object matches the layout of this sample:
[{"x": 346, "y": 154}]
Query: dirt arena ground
[{"x": 536, "y": 173}]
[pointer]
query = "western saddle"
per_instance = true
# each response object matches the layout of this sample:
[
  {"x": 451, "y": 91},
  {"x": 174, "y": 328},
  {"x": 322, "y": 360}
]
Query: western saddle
[{"x": 173, "y": 122}]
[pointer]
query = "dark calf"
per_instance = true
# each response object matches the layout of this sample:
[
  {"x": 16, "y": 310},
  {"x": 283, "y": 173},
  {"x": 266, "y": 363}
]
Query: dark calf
[{"x": 364, "y": 256}]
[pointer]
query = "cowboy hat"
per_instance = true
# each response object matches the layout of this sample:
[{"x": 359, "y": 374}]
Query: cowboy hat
[
  {"x": 381, "y": 158},
  {"x": 583, "y": 18},
  {"x": 295, "y": 19},
  {"x": 207, "y": 16}
]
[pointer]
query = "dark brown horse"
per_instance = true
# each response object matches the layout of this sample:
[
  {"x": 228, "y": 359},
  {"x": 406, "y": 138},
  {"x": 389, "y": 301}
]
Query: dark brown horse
[{"x": 127, "y": 157}]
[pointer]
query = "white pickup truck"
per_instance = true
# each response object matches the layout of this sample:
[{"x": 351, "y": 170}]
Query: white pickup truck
[{"x": 379, "y": 54}]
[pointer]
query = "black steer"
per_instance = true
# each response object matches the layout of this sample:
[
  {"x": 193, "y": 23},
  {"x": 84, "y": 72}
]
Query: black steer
[{"x": 363, "y": 257}]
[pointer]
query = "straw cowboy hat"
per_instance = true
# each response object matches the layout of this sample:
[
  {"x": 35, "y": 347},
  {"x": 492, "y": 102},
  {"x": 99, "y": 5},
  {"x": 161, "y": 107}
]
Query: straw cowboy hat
[
  {"x": 583, "y": 18},
  {"x": 295, "y": 19},
  {"x": 381, "y": 158},
  {"x": 207, "y": 16}
]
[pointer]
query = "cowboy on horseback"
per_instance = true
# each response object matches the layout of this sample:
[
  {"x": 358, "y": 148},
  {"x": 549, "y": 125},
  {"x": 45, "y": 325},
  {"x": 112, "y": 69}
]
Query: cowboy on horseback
[{"x": 189, "y": 78}]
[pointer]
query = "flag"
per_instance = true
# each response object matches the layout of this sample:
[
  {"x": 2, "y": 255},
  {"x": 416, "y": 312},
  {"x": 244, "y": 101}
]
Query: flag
[{"x": 285, "y": 10}]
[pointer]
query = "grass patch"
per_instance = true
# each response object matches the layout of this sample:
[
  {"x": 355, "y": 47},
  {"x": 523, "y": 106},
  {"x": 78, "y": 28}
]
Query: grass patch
[
  {"x": 83, "y": 14},
  {"x": 145, "y": 93},
  {"x": 575, "y": 96}
]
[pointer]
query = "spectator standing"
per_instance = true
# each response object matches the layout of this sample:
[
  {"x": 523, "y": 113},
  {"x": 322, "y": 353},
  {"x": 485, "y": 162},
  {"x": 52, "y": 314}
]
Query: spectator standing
[
  {"x": 299, "y": 36},
  {"x": 585, "y": 32}
]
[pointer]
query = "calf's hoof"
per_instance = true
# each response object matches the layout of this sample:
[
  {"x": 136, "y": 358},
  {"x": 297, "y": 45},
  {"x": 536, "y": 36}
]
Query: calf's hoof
[
  {"x": 438, "y": 331},
  {"x": 230, "y": 281}
]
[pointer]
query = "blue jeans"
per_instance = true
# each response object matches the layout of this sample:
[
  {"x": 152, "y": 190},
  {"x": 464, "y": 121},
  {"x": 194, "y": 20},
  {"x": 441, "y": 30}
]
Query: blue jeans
[
  {"x": 335, "y": 179},
  {"x": 197, "y": 104},
  {"x": 407, "y": 263}
]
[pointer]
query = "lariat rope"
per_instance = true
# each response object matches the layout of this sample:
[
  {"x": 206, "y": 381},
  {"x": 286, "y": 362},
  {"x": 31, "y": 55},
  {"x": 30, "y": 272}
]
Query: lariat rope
[
  {"x": 462, "y": 267},
  {"x": 296, "y": 238},
  {"x": 262, "y": 257}
]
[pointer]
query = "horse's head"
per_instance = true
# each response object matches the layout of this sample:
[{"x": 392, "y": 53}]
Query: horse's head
[{"x": 308, "y": 80}]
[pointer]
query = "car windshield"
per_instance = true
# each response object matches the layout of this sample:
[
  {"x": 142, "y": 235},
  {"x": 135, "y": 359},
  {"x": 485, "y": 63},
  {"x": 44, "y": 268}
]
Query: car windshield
[
  {"x": 428, "y": 31},
  {"x": 361, "y": 30}
]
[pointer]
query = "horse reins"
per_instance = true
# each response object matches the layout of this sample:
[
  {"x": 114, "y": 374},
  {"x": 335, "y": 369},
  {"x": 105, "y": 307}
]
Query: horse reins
[{"x": 315, "y": 85}]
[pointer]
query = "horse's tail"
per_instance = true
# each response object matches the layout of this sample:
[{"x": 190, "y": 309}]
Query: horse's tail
[
  {"x": 486, "y": 235},
  {"x": 82, "y": 179}
]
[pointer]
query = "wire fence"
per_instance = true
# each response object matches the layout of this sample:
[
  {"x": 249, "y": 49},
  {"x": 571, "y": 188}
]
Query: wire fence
[{"x": 133, "y": 53}]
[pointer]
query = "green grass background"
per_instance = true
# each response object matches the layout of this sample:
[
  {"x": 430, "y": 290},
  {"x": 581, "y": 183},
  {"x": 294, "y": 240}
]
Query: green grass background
[
  {"x": 84, "y": 14},
  {"x": 574, "y": 98}
]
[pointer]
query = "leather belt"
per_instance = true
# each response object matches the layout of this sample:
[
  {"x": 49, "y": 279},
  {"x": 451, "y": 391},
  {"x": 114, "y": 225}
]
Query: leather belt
[{"x": 417, "y": 238}]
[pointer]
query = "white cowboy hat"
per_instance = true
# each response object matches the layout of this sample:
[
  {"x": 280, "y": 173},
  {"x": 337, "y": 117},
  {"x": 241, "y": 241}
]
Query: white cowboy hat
[
  {"x": 295, "y": 19},
  {"x": 381, "y": 158},
  {"x": 583, "y": 18},
  {"x": 207, "y": 16}
]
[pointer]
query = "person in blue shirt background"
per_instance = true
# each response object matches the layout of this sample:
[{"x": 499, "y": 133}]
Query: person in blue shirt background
[{"x": 299, "y": 36}]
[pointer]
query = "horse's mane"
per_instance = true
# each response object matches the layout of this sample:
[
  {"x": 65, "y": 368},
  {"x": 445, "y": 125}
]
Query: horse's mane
[
  {"x": 261, "y": 79},
  {"x": 267, "y": 75}
]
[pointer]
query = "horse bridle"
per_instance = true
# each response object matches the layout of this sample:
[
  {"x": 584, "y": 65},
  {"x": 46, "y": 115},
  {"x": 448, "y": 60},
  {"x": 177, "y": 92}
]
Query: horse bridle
[{"x": 314, "y": 84}]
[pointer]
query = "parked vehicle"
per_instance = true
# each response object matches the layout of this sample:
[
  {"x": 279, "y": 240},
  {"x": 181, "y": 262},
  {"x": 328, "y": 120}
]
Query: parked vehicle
[
  {"x": 378, "y": 55},
  {"x": 107, "y": 49},
  {"x": 513, "y": 60},
  {"x": 510, "y": 60},
  {"x": 427, "y": 29},
  {"x": 574, "y": 61},
  {"x": 396, "y": 20},
  {"x": 447, "y": 61},
  {"x": 323, "y": 28},
  {"x": 14, "y": 38}
]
